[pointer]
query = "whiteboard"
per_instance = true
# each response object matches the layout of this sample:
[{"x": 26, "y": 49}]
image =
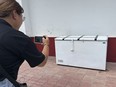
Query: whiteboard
[{"x": 73, "y": 17}]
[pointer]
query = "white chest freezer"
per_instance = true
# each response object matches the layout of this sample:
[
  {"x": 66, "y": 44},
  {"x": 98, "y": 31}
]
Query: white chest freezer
[{"x": 82, "y": 51}]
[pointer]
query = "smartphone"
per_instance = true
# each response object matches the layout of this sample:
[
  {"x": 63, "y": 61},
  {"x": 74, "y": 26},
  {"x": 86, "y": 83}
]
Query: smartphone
[{"x": 38, "y": 39}]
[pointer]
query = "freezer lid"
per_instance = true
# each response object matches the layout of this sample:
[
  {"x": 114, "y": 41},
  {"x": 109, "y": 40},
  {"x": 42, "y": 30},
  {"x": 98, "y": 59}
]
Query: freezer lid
[
  {"x": 82, "y": 38},
  {"x": 87, "y": 38},
  {"x": 60, "y": 38},
  {"x": 70, "y": 38},
  {"x": 102, "y": 38}
]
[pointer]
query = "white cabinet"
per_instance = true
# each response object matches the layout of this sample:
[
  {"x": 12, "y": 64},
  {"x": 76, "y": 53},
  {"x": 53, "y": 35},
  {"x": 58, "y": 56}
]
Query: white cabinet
[{"x": 82, "y": 51}]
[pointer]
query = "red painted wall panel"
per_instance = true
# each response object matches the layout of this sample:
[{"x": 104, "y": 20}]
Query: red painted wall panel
[{"x": 111, "y": 50}]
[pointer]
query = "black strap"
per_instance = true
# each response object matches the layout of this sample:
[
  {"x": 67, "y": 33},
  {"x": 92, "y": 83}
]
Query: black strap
[{"x": 3, "y": 72}]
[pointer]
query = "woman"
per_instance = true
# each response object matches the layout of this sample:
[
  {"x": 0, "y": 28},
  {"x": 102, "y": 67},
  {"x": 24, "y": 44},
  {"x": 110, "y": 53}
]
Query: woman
[{"x": 15, "y": 46}]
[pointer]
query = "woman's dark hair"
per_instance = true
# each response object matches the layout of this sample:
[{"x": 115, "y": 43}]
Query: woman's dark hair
[{"x": 7, "y": 6}]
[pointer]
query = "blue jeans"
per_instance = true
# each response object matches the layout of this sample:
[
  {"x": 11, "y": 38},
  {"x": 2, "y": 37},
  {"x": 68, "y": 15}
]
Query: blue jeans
[{"x": 6, "y": 83}]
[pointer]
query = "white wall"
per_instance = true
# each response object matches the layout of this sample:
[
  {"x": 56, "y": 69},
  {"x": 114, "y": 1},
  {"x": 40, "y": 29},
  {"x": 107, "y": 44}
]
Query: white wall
[
  {"x": 27, "y": 11},
  {"x": 72, "y": 17},
  {"x": 22, "y": 28}
]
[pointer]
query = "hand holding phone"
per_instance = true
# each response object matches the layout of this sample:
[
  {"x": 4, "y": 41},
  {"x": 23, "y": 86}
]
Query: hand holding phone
[
  {"x": 44, "y": 37},
  {"x": 38, "y": 39},
  {"x": 45, "y": 40}
]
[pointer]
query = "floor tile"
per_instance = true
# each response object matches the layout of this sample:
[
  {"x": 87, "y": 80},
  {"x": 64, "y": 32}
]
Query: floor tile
[{"x": 53, "y": 75}]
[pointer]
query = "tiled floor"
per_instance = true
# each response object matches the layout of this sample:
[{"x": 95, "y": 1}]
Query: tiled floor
[{"x": 53, "y": 75}]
